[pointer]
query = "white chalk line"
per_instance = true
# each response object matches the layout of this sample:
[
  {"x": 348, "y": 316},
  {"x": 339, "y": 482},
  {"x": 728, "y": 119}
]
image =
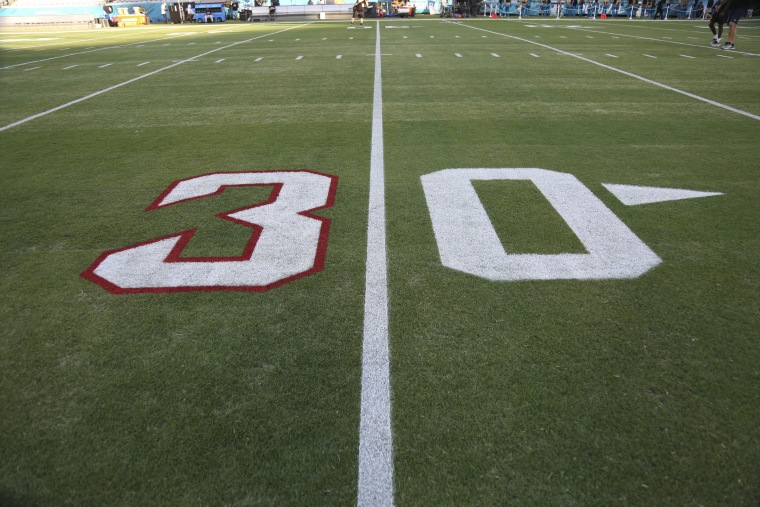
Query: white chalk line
[
  {"x": 626, "y": 73},
  {"x": 375, "y": 439},
  {"x": 129, "y": 81},
  {"x": 662, "y": 39}
]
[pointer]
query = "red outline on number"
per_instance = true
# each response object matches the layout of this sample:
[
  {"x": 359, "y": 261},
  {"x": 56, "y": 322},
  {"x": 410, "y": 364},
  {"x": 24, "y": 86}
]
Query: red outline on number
[{"x": 186, "y": 236}]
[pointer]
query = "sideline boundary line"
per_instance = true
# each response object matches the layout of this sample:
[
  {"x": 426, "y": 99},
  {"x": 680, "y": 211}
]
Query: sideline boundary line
[
  {"x": 375, "y": 438},
  {"x": 104, "y": 90},
  {"x": 621, "y": 71},
  {"x": 654, "y": 39}
]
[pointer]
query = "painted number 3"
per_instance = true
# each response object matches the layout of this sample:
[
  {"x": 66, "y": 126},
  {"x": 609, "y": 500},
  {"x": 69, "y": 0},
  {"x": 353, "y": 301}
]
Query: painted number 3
[{"x": 286, "y": 242}]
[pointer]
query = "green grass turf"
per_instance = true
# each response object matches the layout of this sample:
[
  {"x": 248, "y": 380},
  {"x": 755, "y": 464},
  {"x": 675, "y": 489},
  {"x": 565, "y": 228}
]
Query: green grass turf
[{"x": 613, "y": 392}]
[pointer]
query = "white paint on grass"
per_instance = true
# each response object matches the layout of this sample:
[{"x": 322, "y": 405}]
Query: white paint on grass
[
  {"x": 338, "y": 57},
  {"x": 687, "y": 56},
  {"x": 495, "y": 55},
  {"x": 467, "y": 240},
  {"x": 458, "y": 55},
  {"x": 105, "y": 65},
  {"x": 631, "y": 195},
  {"x": 141, "y": 64},
  {"x": 70, "y": 67},
  {"x": 375, "y": 438},
  {"x": 129, "y": 81},
  {"x": 626, "y": 73}
]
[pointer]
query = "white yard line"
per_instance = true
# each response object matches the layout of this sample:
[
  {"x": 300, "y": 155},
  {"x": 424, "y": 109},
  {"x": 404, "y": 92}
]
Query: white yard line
[
  {"x": 666, "y": 40},
  {"x": 129, "y": 81},
  {"x": 626, "y": 73},
  {"x": 375, "y": 439}
]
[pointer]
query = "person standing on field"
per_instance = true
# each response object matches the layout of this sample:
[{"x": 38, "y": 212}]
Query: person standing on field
[
  {"x": 717, "y": 17},
  {"x": 359, "y": 7}
]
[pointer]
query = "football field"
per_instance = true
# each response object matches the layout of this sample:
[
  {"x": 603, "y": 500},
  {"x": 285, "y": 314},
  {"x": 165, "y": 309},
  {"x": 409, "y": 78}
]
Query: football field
[{"x": 420, "y": 262}]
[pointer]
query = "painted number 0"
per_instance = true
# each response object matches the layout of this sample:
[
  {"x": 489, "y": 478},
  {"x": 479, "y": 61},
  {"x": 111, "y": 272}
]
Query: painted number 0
[
  {"x": 468, "y": 242},
  {"x": 286, "y": 241}
]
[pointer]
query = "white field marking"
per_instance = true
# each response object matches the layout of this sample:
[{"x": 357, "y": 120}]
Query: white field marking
[
  {"x": 63, "y": 49},
  {"x": 725, "y": 56},
  {"x": 589, "y": 37},
  {"x": 631, "y": 195},
  {"x": 190, "y": 43},
  {"x": 405, "y": 37},
  {"x": 495, "y": 55},
  {"x": 297, "y": 40},
  {"x": 270, "y": 40},
  {"x": 105, "y": 65},
  {"x": 467, "y": 240},
  {"x": 419, "y": 55},
  {"x": 324, "y": 38},
  {"x": 338, "y": 57},
  {"x": 458, "y": 55},
  {"x": 563, "y": 37},
  {"x": 350, "y": 38},
  {"x": 139, "y": 45},
  {"x": 220, "y": 60},
  {"x": 299, "y": 57},
  {"x": 456, "y": 36},
  {"x": 611, "y": 56},
  {"x": 692, "y": 38},
  {"x": 534, "y": 55},
  {"x": 626, "y": 73},
  {"x": 70, "y": 67},
  {"x": 218, "y": 42},
  {"x": 650, "y": 56},
  {"x": 141, "y": 64},
  {"x": 669, "y": 38},
  {"x": 259, "y": 59},
  {"x": 375, "y": 438},
  {"x": 536, "y": 36},
  {"x": 130, "y": 81},
  {"x": 33, "y": 68},
  {"x": 168, "y": 44},
  {"x": 703, "y": 46},
  {"x": 615, "y": 37},
  {"x": 687, "y": 56}
]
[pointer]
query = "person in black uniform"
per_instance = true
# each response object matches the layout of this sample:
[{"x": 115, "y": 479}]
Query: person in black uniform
[{"x": 359, "y": 7}]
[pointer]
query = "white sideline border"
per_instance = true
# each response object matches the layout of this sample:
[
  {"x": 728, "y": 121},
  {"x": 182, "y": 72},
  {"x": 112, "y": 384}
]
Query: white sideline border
[
  {"x": 621, "y": 71},
  {"x": 375, "y": 439},
  {"x": 129, "y": 81}
]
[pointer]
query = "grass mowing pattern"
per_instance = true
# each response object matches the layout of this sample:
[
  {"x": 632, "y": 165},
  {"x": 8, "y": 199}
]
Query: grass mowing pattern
[{"x": 639, "y": 391}]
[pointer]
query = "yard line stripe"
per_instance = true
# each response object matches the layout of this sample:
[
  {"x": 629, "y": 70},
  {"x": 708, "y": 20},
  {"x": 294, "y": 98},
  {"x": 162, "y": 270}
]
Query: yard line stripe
[
  {"x": 625, "y": 73},
  {"x": 687, "y": 56},
  {"x": 141, "y": 64},
  {"x": 650, "y": 56},
  {"x": 33, "y": 68},
  {"x": 495, "y": 55},
  {"x": 375, "y": 438},
  {"x": 663, "y": 39},
  {"x": 338, "y": 57},
  {"x": 259, "y": 59},
  {"x": 611, "y": 56},
  {"x": 419, "y": 55},
  {"x": 70, "y": 67},
  {"x": 105, "y": 65},
  {"x": 458, "y": 55},
  {"x": 129, "y": 81},
  {"x": 724, "y": 56},
  {"x": 534, "y": 55},
  {"x": 299, "y": 57},
  {"x": 75, "y": 54},
  {"x": 220, "y": 60}
]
